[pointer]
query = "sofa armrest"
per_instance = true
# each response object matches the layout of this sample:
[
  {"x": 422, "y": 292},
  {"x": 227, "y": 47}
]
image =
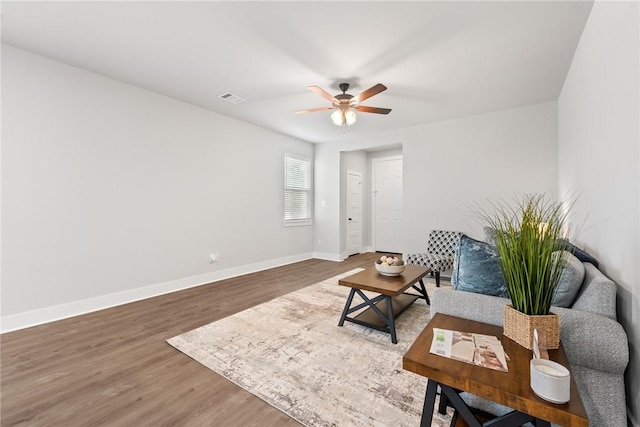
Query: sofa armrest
[
  {"x": 593, "y": 341},
  {"x": 589, "y": 340}
]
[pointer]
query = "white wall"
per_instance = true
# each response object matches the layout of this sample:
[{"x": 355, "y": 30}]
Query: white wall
[
  {"x": 448, "y": 166},
  {"x": 599, "y": 157},
  {"x": 451, "y": 166},
  {"x": 108, "y": 189},
  {"x": 326, "y": 186}
]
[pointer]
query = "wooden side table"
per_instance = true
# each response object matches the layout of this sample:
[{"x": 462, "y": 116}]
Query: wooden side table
[{"x": 511, "y": 389}]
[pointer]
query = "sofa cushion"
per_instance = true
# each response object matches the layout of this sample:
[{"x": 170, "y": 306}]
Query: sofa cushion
[
  {"x": 597, "y": 294},
  {"x": 476, "y": 268},
  {"x": 570, "y": 281}
]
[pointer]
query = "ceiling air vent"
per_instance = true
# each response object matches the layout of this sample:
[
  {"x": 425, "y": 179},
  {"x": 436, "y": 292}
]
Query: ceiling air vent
[{"x": 234, "y": 99}]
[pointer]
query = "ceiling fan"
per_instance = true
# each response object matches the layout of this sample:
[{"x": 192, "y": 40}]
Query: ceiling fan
[{"x": 345, "y": 104}]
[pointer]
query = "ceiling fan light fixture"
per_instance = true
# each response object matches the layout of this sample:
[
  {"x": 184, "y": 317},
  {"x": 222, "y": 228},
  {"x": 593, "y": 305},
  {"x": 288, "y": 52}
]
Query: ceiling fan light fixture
[
  {"x": 350, "y": 117},
  {"x": 337, "y": 117},
  {"x": 344, "y": 104},
  {"x": 342, "y": 117}
]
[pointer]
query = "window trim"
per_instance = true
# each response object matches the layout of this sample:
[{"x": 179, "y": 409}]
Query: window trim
[{"x": 305, "y": 221}]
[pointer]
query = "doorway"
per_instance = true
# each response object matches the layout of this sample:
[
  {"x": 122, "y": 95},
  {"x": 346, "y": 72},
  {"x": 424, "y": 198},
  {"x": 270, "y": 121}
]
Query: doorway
[
  {"x": 387, "y": 204},
  {"x": 354, "y": 212}
]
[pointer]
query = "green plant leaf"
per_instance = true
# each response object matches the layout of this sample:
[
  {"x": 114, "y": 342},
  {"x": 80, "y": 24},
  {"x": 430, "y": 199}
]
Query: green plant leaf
[{"x": 526, "y": 233}]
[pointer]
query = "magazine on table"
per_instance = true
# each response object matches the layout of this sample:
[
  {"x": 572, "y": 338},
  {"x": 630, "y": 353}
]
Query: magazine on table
[{"x": 477, "y": 349}]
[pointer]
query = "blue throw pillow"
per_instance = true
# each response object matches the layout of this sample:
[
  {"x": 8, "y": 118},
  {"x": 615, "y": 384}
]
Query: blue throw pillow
[
  {"x": 583, "y": 256},
  {"x": 476, "y": 268}
]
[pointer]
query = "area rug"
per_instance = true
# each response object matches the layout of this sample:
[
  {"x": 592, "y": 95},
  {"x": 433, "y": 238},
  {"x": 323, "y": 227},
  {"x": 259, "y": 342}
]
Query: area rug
[{"x": 291, "y": 353}]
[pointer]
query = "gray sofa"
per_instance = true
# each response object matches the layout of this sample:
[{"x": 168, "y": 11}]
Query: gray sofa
[{"x": 595, "y": 343}]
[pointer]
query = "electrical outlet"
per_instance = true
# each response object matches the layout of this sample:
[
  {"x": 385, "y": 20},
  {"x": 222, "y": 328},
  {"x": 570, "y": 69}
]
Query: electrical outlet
[{"x": 213, "y": 258}]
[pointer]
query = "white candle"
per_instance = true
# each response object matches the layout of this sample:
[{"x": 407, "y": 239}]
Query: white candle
[{"x": 549, "y": 370}]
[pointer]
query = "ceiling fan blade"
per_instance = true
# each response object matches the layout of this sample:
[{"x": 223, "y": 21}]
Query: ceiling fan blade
[
  {"x": 373, "y": 90},
  {"x": 313, "y": 110},
  {"x": 323, "y": 93},
  {"x": 376, "y": 110}
]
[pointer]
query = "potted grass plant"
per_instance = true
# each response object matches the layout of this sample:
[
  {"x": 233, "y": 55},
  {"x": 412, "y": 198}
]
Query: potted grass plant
[{"x": 527, "y": 233}]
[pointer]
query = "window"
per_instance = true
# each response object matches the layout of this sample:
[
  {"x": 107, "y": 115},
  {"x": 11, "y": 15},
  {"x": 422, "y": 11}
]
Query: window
[{"x": 297, "y": 190}]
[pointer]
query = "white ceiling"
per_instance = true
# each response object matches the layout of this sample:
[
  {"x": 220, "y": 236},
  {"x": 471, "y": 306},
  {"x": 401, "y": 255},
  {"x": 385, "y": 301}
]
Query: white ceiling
[{"x": 440, "y": 60}]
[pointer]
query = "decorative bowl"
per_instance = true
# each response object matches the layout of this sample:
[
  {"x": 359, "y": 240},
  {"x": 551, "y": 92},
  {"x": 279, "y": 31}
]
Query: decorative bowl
[{"x": 390, "y": 270}]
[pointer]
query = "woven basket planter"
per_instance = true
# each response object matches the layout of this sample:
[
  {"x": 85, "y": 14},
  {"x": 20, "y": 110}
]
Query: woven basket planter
[{"x": 519, "y": 327}]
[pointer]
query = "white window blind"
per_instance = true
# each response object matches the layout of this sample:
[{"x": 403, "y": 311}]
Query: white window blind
[{"x": 297, "y": 190}]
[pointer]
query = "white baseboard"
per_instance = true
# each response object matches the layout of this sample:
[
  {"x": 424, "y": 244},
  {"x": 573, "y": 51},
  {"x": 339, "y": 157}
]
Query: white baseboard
[
  {"x": 364, "y": 250},
  {"x": 327, "y": 256},
  {"x": 49, "y": 314}
]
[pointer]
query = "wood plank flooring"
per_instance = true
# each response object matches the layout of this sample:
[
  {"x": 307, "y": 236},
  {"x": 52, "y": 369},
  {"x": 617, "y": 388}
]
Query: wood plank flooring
[{"x": 113, "y": 367}]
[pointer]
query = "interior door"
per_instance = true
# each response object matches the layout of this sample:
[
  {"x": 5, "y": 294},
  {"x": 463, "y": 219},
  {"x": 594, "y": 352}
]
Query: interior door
[
  {"x": 354, "y": 212},
  {"x": 387, "y": 204}
]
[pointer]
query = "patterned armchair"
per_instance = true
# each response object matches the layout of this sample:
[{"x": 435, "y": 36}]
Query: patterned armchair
[{"x": 441, "y": 249}]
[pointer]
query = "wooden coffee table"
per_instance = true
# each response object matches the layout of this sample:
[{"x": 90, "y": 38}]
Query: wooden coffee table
[
  {"x": 510, "y": 389},
  {"x": 391, "y": 301}
]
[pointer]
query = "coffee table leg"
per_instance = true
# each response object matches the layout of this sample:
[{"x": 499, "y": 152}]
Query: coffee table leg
[
  {"x": 424, "y": 292},
  {"x": 429, "y": 402},
  {"x": 346, "y": 307},
  {"x": 392, "y": 323}
]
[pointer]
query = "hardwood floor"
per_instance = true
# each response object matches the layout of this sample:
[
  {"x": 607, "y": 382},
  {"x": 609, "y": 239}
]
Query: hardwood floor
[{"x": 113, "y": 367}]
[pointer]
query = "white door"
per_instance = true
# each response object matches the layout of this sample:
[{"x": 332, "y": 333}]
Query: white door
[
  {"x": 354, "y": 212},
  {"x": 387, "y": 204}
]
